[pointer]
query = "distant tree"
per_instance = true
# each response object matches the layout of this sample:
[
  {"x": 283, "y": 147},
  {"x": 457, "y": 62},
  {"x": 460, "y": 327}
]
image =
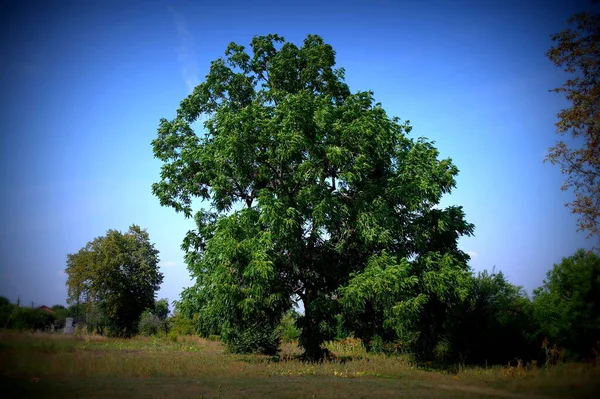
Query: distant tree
[
  {"x": 161, "y": 308},
  {"x": 149, "y": 323},
  {"x": 567, "y": 306},
  {"x": 116, "y": 276},
  {"x": 156, "y": 319},
  {"x": 577, "y": 51},
  {"x": 307, "y": 184}
]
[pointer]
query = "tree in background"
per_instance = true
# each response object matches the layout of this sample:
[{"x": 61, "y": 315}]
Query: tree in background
[
  {"x": 308, "y": 187},
  {"x": 577, "y": 51},
  {"x": 154, "y": 320},
  {"x": 116, "y": 275},
  {"x": 161, "y": 309},
  {"x": 567, "y": 306}
]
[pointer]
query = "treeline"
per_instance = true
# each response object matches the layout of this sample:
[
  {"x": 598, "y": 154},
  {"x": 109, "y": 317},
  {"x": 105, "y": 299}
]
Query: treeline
[
  {"x": 492, "y": 322},
  {"x": 23, "y": 318},
  {"x": 87, "y": 317}
]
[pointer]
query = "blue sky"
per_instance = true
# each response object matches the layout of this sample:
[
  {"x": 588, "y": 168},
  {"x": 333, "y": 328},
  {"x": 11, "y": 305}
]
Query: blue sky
[{"x": 85, "y": 83}]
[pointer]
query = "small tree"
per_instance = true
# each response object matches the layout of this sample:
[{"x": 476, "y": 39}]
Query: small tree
[
  {"x": 287, "y": 329},
  {"x": 149, "y": 323},
  {"x": 161, "y": 310},
  {"x": 157, "y": 319},
  {"x": 117, "y": 276}
]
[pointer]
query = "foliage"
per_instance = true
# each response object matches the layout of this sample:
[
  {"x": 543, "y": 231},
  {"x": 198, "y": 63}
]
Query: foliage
[
  {"x": 149, "y": 323},
  {"x": 60, "y": 316},
  {"x": 28, "y": 319},
  {"x": 191, "y": 306},
  {"x": 181, "y": 325},
  {"x": 577, "y": 52},
  {"x": 306, "y": 183},
  {"x": 567, "y": 306},
  {"x": 408, "y": 302},
  {"x": 117, "y": 276},
  {"x": 161, "y": 309},
  {"x": 77, "y": 311},
  {"x": 340, "y": 331},
  {"x": 493, "y": 325},
  {"x": 251, "y": 339},
  {"x": 287, "y": 328},
  {"x": 153, "y": 321}
]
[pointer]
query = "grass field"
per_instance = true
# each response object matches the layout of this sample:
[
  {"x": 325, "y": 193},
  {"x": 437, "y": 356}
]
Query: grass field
[{"x": 54, "y": 365}]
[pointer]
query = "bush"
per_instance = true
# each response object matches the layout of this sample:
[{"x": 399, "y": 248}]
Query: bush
[
  {"x": 182, "y": 325},
  {"x": 27, "y": 319},
  {"x": 287, "y": 328},
  {"x": 493, "y": 324},
  {"x": 340, "y": 331},
  {"x": 567, "y": 306},
  {"x": 149, "y": 324},
  {"x": 252, "y": 340},
  {"x": 172, "y": 336}
]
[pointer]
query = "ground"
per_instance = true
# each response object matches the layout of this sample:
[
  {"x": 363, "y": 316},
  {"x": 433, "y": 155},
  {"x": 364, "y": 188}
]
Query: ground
[{"x": 55, "y": 365}]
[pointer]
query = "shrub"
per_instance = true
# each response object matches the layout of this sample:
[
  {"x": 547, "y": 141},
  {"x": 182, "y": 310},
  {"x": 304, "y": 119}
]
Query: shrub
[
  {"x": 567, "y": 306},
  {"x": 27, "y": 319},
  {"x": 492, "y": 325},
  {"x": 287, "y": 328},
  {"x": 182, "y": 325},
  {"x": 252, "y": 340},
  {"x": 149, "y": 324}
]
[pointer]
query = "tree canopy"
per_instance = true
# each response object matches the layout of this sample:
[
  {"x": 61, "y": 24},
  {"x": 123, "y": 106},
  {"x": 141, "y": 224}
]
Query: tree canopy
[
  {"x": 577, "y": 51},
  {"x": 309, "y": 193},
  {"x": 116, "y": 276}
]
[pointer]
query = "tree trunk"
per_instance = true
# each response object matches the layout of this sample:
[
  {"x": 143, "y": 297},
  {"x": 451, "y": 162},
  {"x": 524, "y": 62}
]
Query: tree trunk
[{"x": 311, "y": 337}]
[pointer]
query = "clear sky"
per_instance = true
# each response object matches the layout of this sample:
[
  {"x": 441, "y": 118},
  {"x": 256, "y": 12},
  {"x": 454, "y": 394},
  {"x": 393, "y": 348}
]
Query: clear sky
[{"x": 84, "y": 84}]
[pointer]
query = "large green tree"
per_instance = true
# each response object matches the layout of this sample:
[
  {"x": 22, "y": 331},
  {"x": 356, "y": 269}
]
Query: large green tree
[
  {"x": 577, "y": 52},
  {"x": 304, "y": 184},
  {"x": 116, "y": 276}
]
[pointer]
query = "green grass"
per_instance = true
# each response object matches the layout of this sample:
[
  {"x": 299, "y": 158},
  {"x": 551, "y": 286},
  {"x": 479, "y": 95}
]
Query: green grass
[{"x": 48, "y": 366}]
